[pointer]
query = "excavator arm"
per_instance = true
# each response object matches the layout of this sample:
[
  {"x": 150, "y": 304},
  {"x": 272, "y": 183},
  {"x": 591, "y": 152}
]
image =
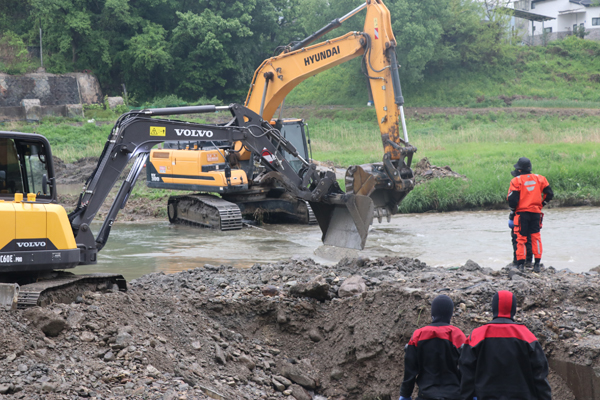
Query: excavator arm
[
  {"x": 387, "y": 183},
  {"x": 135, "y": 133}
]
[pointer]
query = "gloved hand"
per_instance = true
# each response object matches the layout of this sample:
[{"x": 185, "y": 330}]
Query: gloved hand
[
  {"x": 511, "y": 216},
  {"x": 405, "y": 398},
  {"x": 544, "y": 203},
  {"x": 511, "y": 223}
]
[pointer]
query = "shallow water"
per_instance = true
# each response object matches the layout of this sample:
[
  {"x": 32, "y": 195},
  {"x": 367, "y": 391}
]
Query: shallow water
[{"x": 569, "y": 236}]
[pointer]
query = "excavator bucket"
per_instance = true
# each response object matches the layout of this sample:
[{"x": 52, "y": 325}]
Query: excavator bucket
[{"x": 345, "y": 222}]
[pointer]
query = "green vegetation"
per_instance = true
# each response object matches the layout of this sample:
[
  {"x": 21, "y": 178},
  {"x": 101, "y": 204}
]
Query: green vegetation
[
  {"x": 564, "y": 73},
  {"x": 192, "y": 49},
  {"x": 483, "y": 147}
]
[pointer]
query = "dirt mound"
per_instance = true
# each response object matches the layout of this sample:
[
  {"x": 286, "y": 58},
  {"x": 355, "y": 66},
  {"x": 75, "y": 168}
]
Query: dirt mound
[
  {"x": 244, "y": 334},
  {"x": 424, "y": 171}
]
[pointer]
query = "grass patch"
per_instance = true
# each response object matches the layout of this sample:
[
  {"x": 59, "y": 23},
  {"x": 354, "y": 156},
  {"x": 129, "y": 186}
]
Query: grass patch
[{"x": 482, "y": 147}]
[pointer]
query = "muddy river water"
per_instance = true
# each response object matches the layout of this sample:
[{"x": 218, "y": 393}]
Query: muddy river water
[{"x": 570, "y": 237}]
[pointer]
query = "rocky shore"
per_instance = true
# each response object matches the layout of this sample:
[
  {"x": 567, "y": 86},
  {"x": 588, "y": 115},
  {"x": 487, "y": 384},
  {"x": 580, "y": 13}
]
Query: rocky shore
[{"x": 291, "y": 330}]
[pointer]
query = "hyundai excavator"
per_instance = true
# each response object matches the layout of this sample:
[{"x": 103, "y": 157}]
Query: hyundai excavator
[
  {"x": 185, "y": 165},
  {"x": 38, "y": 237}
]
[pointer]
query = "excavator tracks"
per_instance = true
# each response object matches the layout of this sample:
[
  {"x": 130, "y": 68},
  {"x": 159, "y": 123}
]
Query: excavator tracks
[
  {"x": 312, "y": 220},
  {"x": 206, "y": 210},
  {"x": 65, "y": 287}
]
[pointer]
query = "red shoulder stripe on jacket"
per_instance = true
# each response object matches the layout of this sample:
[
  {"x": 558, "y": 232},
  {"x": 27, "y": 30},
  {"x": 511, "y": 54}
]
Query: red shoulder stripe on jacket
[
  {"x": 446, "y": 332},
  {"x": 515, "y": 331}
]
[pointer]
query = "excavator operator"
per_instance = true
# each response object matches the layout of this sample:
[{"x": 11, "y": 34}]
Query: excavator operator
[
  {"x": 9, "y": 168},
  {"x": 527, "y": 194}
]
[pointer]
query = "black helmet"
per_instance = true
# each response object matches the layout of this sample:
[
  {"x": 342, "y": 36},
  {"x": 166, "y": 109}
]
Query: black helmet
[{"x": 523, "y": 164}]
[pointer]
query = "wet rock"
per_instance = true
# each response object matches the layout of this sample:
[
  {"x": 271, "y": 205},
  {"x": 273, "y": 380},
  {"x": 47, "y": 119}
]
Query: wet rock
[
  {"x": 270, "y": 290},
  {"x": 351, "y": 286},
  {"x": 471, "y": 266},
  {"x": 46, "y": 320},
  {"x": 317, "y": 288},
  {"x": 299, "y": 393}
]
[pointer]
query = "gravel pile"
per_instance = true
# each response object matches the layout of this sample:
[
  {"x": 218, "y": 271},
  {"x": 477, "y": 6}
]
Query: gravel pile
[{"x": 289, "y": 330}]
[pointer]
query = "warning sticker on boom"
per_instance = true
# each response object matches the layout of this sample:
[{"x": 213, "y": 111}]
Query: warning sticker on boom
[{"x": 158, "y": 131}]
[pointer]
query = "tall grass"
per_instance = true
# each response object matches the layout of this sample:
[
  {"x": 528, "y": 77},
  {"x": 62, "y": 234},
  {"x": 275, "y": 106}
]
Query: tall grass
[{"x": 481, "y": 147}]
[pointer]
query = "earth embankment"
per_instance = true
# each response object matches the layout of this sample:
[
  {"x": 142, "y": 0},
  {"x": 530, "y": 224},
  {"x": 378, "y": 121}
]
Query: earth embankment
[{"x": 294, "y": 328}]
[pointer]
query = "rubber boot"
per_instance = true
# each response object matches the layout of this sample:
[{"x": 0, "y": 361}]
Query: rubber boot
[
  {"x": 536, "y": 265},
  {"x": 527, "y": 265},
  {"x": 521, "y": 265}
]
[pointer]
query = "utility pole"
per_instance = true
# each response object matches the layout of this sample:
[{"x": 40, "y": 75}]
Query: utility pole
[{"x": 41, "y": 55}]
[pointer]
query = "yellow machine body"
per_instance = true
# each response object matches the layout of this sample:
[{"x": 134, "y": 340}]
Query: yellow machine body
[
  {"x": 194, "y": 167},
  {"x": 31, "y": 220}
]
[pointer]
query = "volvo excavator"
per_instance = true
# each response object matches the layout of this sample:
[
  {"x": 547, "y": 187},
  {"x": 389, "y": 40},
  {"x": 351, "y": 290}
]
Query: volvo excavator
[
  {"x": 38, "y": 237},
  {"x": 186, "y": 165}
]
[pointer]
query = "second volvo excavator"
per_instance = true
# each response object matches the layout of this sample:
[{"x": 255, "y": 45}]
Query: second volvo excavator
[
  {"x": 186, "y": 164},
  {"x": 38, "y": 237}
]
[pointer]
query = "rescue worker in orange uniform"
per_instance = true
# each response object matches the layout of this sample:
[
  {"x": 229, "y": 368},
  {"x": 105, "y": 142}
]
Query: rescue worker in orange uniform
[{"x": 527, "y": 194}]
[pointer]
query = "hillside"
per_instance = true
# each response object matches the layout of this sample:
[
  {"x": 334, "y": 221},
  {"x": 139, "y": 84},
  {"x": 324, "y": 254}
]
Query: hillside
[{"x": 565, "y": 73}]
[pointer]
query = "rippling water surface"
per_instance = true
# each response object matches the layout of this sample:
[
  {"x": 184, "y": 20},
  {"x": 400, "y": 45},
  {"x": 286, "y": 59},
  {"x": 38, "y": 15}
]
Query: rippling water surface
[{"x": 570, "y": 237}]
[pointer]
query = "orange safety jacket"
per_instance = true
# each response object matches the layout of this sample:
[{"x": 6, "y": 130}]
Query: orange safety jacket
[{"x": 527, "y": 192}]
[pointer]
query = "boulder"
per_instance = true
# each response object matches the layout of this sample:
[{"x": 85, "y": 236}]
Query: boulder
[
  {"x": 47, "y": 321},
  {"x": 471, "y": 265},
  {"x": 351, "y": 286},
  {"x": 298, "y": 376},
  {"x": 317, "y": 288},
  {"x": 299, "y": 393},
  {"x": 115, "y": 101}
]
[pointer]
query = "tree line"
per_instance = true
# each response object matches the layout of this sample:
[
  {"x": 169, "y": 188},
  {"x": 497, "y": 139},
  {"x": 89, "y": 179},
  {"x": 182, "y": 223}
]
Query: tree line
[{"x": 210, "y": 49}]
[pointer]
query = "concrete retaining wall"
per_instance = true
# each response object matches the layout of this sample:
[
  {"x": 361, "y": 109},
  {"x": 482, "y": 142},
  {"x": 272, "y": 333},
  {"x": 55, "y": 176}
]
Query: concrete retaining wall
[{"x": 60, "y": 95}]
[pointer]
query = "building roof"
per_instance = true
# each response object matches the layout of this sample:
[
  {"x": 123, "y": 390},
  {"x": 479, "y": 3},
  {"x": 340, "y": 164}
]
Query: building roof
[
  {"x": 585, "y": 3},
  {"x": 527, "y": 15}
]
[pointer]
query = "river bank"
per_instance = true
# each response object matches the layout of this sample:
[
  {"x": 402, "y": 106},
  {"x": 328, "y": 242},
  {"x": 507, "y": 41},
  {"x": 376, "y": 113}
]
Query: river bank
[{"x": 287, "y": 330}]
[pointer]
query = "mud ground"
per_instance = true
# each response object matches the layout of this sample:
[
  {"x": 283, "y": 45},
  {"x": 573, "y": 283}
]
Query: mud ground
[
  {"x": 290, "y": 330},
  {"x": 141, "y": 208}
]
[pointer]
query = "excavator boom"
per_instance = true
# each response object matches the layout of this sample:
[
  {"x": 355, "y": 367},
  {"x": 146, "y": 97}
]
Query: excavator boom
[
  {"x": 136, "y": 132},
  {"x": 388, "y": 182}
]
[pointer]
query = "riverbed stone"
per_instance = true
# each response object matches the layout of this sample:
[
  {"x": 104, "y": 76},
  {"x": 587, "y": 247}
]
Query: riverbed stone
[
  {"x": 351, "y": 286},
  {"x": 316, "y": 288},
  {"x": 299, "y": 393}
]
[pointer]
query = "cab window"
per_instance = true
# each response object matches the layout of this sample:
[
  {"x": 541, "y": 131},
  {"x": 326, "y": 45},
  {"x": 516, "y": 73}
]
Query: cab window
[
  {"x": 24, "y": 168},
  {"x": 11, "y": 180}
]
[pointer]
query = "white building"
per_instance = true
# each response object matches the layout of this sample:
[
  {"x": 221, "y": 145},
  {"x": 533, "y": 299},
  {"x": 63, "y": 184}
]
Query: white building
[{"x": 568, "y": 16}]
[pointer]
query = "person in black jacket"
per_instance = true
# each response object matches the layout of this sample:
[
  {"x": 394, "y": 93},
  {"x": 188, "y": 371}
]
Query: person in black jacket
[
  {"x": 503, "y": 360},
  {"x": 431, "y": 356}
]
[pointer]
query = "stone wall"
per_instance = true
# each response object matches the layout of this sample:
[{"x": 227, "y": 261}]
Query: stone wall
[{"x": 57, "y": 94}]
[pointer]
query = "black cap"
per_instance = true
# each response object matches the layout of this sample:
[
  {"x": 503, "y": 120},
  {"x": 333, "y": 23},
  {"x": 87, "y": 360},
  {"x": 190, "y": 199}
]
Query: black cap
[
  {"x": 523, "y": 164},
  {"x": 504, "y": 305},
  {"x": 442, "y": 308}
]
